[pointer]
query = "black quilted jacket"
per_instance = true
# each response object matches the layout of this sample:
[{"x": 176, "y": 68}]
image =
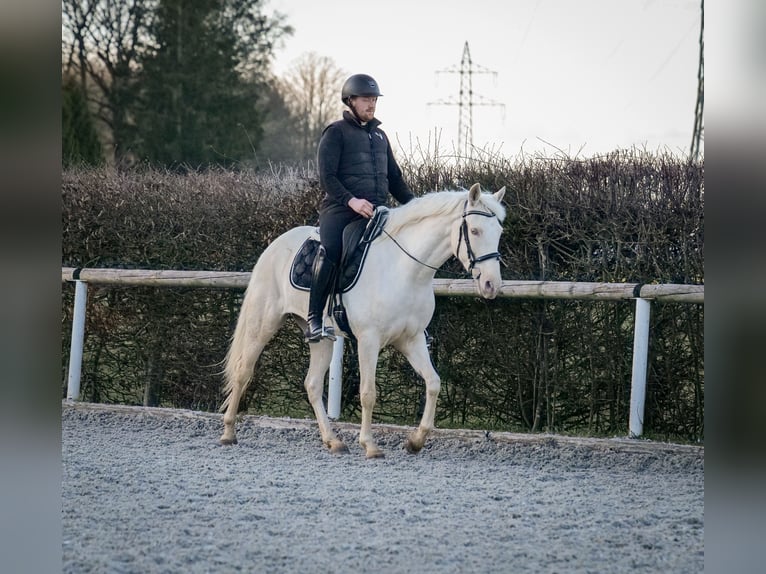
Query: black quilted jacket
[{"x": 357, "y": 161}]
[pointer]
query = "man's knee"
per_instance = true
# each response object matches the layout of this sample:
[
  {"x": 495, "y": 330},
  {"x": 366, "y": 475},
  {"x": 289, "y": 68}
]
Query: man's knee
[{"x": 332, "y": 253}]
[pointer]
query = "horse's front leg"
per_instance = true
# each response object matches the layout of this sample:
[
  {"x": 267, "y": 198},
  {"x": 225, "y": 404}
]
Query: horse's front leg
[
  {"x": 416, "y": 351},
  {"x": 368, "y": 361}
]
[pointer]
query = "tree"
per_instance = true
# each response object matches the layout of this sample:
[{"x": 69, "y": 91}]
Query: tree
[
  {"x": 80, "y": 143},
  {"x": 101, "y": 42},
  {"x": 279, "y": 144},
  {"x": 174, "y": 81},
  {"x": 311, "y": 91},
  {"x": 201, "y": 83}
]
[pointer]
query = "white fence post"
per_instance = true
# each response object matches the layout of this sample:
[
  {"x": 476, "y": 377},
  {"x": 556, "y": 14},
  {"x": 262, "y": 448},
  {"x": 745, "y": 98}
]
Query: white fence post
[
  {"x": 640, "y": 361},
  {"x": 78, "y": 338},
  {"x": 336, "y": 378}
]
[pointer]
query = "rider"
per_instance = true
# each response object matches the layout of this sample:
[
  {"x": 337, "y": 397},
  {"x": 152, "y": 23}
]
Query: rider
[{"x": 357, "y": 171}]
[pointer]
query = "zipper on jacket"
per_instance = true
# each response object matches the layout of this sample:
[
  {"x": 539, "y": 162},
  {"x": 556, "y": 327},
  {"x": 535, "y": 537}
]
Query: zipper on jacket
[{"x": 375, "y": 168}]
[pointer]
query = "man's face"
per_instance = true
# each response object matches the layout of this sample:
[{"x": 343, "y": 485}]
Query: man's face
[{"x": 364, "y": 107}]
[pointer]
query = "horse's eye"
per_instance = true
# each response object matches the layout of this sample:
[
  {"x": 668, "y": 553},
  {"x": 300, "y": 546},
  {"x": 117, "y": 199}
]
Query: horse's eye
[{"x": 475, "y": 231}]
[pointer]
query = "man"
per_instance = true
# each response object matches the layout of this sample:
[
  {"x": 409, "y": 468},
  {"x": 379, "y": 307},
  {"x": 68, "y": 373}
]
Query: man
[{"x": 357, "y": 172}]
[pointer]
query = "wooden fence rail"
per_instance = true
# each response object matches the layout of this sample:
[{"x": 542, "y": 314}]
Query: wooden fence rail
[{"x": 669, "y": 292}]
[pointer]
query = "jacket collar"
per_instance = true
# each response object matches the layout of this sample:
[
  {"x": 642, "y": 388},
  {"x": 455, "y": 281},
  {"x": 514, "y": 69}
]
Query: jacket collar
[{"x": 351, "y": 118}]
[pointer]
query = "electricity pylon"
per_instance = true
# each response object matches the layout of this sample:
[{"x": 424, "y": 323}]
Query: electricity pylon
[
  {"x": 466, "y": 100},
  {"x": 699, "y": 119}
]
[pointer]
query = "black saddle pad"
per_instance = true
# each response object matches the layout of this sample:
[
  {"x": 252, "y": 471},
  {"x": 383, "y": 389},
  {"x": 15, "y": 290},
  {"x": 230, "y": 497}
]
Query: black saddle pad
[
  {"x": 357, "y": 238},
  {"x": 302, "y": 269}
]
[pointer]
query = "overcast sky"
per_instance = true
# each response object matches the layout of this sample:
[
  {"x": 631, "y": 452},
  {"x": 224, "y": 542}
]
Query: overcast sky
[{"x": 585, "y": 76}]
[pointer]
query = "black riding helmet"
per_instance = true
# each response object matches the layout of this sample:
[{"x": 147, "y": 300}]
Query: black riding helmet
[{"x": 359, "y": 85}]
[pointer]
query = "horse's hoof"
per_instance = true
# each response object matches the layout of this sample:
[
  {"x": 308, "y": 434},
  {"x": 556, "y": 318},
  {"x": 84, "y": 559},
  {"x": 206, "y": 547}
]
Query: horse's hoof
[
  {"x": 375, "y": 453},
  {"x": 227, "y": 441},
  {"x": 338, "y": 447},
  {"x": 411, "y": 447}
]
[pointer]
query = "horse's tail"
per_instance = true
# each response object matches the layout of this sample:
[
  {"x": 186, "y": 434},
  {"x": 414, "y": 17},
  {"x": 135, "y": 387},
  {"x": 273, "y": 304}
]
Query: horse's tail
[
  {"x": 261, "y": 315},
  {"x": 234, "y": 363}
]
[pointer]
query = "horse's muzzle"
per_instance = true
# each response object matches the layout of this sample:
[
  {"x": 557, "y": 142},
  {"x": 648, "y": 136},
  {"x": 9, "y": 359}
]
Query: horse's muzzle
[{"x": 487, "y": 288}]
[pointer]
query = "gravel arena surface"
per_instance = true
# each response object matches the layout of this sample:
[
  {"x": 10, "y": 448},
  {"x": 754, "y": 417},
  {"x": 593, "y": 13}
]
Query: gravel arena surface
[{"x": 151, "y": 491}]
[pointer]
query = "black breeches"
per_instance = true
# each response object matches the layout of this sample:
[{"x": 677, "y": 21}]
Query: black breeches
[{"x": 332, "y": 222}]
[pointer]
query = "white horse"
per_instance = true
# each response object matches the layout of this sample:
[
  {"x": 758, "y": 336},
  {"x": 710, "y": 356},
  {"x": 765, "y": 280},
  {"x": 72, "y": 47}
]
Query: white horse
[{"x": 391, "y": 303}]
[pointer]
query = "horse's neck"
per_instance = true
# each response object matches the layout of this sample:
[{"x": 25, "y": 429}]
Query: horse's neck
[{"x": 428, "y": 242}]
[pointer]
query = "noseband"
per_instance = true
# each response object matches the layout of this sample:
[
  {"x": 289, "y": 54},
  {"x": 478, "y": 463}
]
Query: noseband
[{"x": 472, "y": 259}]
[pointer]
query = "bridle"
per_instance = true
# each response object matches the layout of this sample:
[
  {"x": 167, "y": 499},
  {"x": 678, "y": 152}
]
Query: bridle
[{"x": 472, "y": 259}]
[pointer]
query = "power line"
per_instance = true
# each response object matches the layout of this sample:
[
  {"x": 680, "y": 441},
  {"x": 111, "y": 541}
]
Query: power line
[{"x": 466, "y": 99}]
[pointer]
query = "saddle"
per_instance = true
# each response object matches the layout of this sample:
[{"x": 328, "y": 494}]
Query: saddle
[{"x": 357, "y": 238}]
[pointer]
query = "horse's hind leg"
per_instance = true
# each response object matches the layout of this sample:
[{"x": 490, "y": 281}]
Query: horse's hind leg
[
  {"x": 237, "y": 383},
  {"x": 252, "y": 334},
  {"x": 416, "y": 352},
  {"x": 321, "y": 355}
]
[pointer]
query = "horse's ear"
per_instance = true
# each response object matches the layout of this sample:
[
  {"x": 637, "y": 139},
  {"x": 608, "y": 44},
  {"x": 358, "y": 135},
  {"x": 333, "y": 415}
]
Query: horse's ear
[
  {"x": 474, "y": 193},
  {"x": 499, "y": 194}
]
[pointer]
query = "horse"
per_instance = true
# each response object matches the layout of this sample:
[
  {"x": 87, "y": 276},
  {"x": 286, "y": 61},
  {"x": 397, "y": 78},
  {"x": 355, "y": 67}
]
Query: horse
[{"x": 391, "y": 303}]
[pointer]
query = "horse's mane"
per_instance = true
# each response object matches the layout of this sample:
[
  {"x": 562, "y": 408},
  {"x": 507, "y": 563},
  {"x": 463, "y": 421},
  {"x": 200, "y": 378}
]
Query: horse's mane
[{"x": 437, "y": 203}]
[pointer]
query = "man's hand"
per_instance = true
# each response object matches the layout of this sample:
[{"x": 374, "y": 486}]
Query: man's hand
[{"x": 362, "y": 207}]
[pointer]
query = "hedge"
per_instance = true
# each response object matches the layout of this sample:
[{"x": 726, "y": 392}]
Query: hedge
[{"x": 556, "y": 366}]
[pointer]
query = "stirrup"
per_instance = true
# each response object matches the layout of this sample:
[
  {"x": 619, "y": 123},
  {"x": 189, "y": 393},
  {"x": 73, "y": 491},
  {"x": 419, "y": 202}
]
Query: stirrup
[{"x": 325, "y": 333}]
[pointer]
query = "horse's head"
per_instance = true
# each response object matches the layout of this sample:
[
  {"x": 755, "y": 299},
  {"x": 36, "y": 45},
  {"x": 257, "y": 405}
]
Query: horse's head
[{"x": 476, "y": 237}]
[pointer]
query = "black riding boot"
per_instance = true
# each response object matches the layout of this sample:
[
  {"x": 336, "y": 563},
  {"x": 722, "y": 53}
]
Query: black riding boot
[{"x": 321, "y": 285}]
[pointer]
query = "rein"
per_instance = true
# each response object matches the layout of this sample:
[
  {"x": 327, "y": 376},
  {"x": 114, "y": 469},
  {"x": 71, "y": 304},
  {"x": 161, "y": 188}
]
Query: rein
[
  {"x": 424, "y": 264},
  {"x": 472, "y": 259}
]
